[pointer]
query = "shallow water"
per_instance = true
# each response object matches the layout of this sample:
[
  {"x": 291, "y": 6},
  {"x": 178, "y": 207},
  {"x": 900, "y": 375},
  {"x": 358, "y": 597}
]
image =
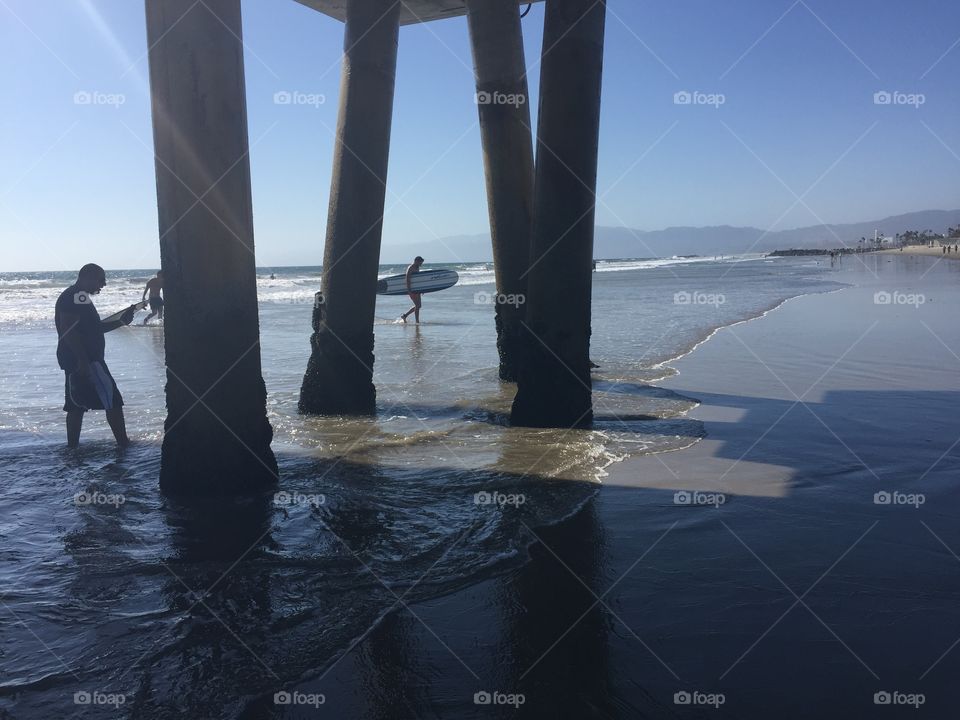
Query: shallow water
[
  {"x": 109, "y": 586},
  {"x": 437, "y": 383}
]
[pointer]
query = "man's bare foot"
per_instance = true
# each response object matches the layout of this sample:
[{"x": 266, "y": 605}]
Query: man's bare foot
[{"x": 403, "y": 317}]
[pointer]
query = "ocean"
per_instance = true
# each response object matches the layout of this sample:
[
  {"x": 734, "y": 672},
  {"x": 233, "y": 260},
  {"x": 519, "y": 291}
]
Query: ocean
[{"x": 110, "y": 587}]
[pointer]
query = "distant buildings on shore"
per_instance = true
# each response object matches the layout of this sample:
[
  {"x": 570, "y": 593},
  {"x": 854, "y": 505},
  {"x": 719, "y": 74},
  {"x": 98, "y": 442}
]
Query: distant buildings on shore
[{"x": 924, "y": 238}]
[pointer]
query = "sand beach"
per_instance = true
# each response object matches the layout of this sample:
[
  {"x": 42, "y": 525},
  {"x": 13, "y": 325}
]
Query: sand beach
[{"x": 935, "y": 251}]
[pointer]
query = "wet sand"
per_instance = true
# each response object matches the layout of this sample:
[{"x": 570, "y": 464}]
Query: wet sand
[
  {"x": 917, "y": 250},
  {"x": 401, "y": 595},
  {"x": 209, "y": 609},
  {"x": 799, "y": 592}
]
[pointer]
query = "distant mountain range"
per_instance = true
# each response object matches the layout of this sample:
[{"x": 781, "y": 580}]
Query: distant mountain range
[{"x": 620, "y": 242}]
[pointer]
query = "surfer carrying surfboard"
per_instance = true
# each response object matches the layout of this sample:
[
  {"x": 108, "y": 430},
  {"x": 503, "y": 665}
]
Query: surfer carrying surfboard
[
  {"x": 80, "y": 347},
  {"x": 154, "y": 286},
  {"x": 412, "y": 270}
]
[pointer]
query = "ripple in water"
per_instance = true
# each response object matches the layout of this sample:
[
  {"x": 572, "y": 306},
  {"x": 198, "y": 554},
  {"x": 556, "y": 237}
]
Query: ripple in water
[{"x": 198, "y": 610}]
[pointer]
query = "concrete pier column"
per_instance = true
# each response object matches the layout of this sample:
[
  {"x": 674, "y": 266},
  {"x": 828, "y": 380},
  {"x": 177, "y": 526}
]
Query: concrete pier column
[
  {"x": 339, "y": 376},
  {"x": 503, "y": 102},
  {"x": 216, "y": 434},
  {"x": 554, "y": 386}
]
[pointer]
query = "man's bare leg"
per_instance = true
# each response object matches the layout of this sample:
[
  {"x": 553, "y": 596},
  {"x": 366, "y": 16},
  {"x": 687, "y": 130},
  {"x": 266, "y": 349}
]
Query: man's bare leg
[
  {"x": 119, "y": 426},
  {"x": 147, "y": 318},
  {"x": 74, "y": 423}
]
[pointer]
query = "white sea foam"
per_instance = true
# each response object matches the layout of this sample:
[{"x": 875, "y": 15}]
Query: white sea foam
[{"x": 28, "y": 298}]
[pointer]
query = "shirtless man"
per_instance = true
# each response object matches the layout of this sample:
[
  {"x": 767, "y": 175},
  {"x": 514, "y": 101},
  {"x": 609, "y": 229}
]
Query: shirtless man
[
  {"x": 154, "y": 286},
  {"x": 411, "y": 270}
]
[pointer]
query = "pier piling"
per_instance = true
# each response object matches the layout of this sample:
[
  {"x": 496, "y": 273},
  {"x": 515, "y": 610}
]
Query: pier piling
[
  {"x": 503, "y": 104},
  {"x": 554, "y": 387},
  {"x": 339, "y": 376},
  {"x": 216, "y": 435}
]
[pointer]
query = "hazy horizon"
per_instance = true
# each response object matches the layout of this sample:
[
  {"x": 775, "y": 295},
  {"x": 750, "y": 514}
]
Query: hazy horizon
[{"x": 485, "y": 255}]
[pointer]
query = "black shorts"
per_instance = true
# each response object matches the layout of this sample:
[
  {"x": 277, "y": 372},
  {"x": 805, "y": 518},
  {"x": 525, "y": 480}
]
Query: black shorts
[
  {"x": 80, "y": 395},
  {"x": 156, "y": 303}
]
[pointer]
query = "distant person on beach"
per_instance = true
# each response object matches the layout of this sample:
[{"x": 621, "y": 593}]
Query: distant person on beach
[
  {"x": 154, "y": 288},
  {"x": 412, "y": 270},
  {"x": 80, "y": 346}
]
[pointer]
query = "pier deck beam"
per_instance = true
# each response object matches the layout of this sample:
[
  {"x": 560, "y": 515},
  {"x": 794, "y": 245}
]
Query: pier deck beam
[
  {"x": 216, "y": 398},
  {"x": 339, "y": 376},
  {"x": 503, "y": 104},
  {"x": 554, "y": 387}
]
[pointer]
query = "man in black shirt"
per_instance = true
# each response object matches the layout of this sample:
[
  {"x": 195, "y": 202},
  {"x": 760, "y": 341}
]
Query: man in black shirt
[{"x": 89, "y": 385}]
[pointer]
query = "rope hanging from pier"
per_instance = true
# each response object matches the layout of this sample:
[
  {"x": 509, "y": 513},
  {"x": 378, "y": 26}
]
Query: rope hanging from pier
[{"x": 524, "y": 13}]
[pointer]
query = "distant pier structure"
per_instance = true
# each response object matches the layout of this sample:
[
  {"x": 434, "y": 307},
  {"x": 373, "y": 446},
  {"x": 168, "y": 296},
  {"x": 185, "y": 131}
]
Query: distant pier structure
[{"x": 541, "y": 219}]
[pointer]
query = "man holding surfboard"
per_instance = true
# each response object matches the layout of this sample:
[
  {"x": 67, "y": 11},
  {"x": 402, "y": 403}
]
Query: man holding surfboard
[
  {"x": 412, "y": 270},
  {"x": 80, "y": 349}
]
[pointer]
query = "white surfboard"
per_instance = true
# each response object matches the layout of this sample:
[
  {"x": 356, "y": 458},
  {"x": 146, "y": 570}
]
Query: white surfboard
[{"x": 425, "y": 281}]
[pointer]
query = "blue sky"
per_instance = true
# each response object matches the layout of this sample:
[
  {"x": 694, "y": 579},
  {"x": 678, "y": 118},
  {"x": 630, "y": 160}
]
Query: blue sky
[{"x": 798, "y": 118}]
